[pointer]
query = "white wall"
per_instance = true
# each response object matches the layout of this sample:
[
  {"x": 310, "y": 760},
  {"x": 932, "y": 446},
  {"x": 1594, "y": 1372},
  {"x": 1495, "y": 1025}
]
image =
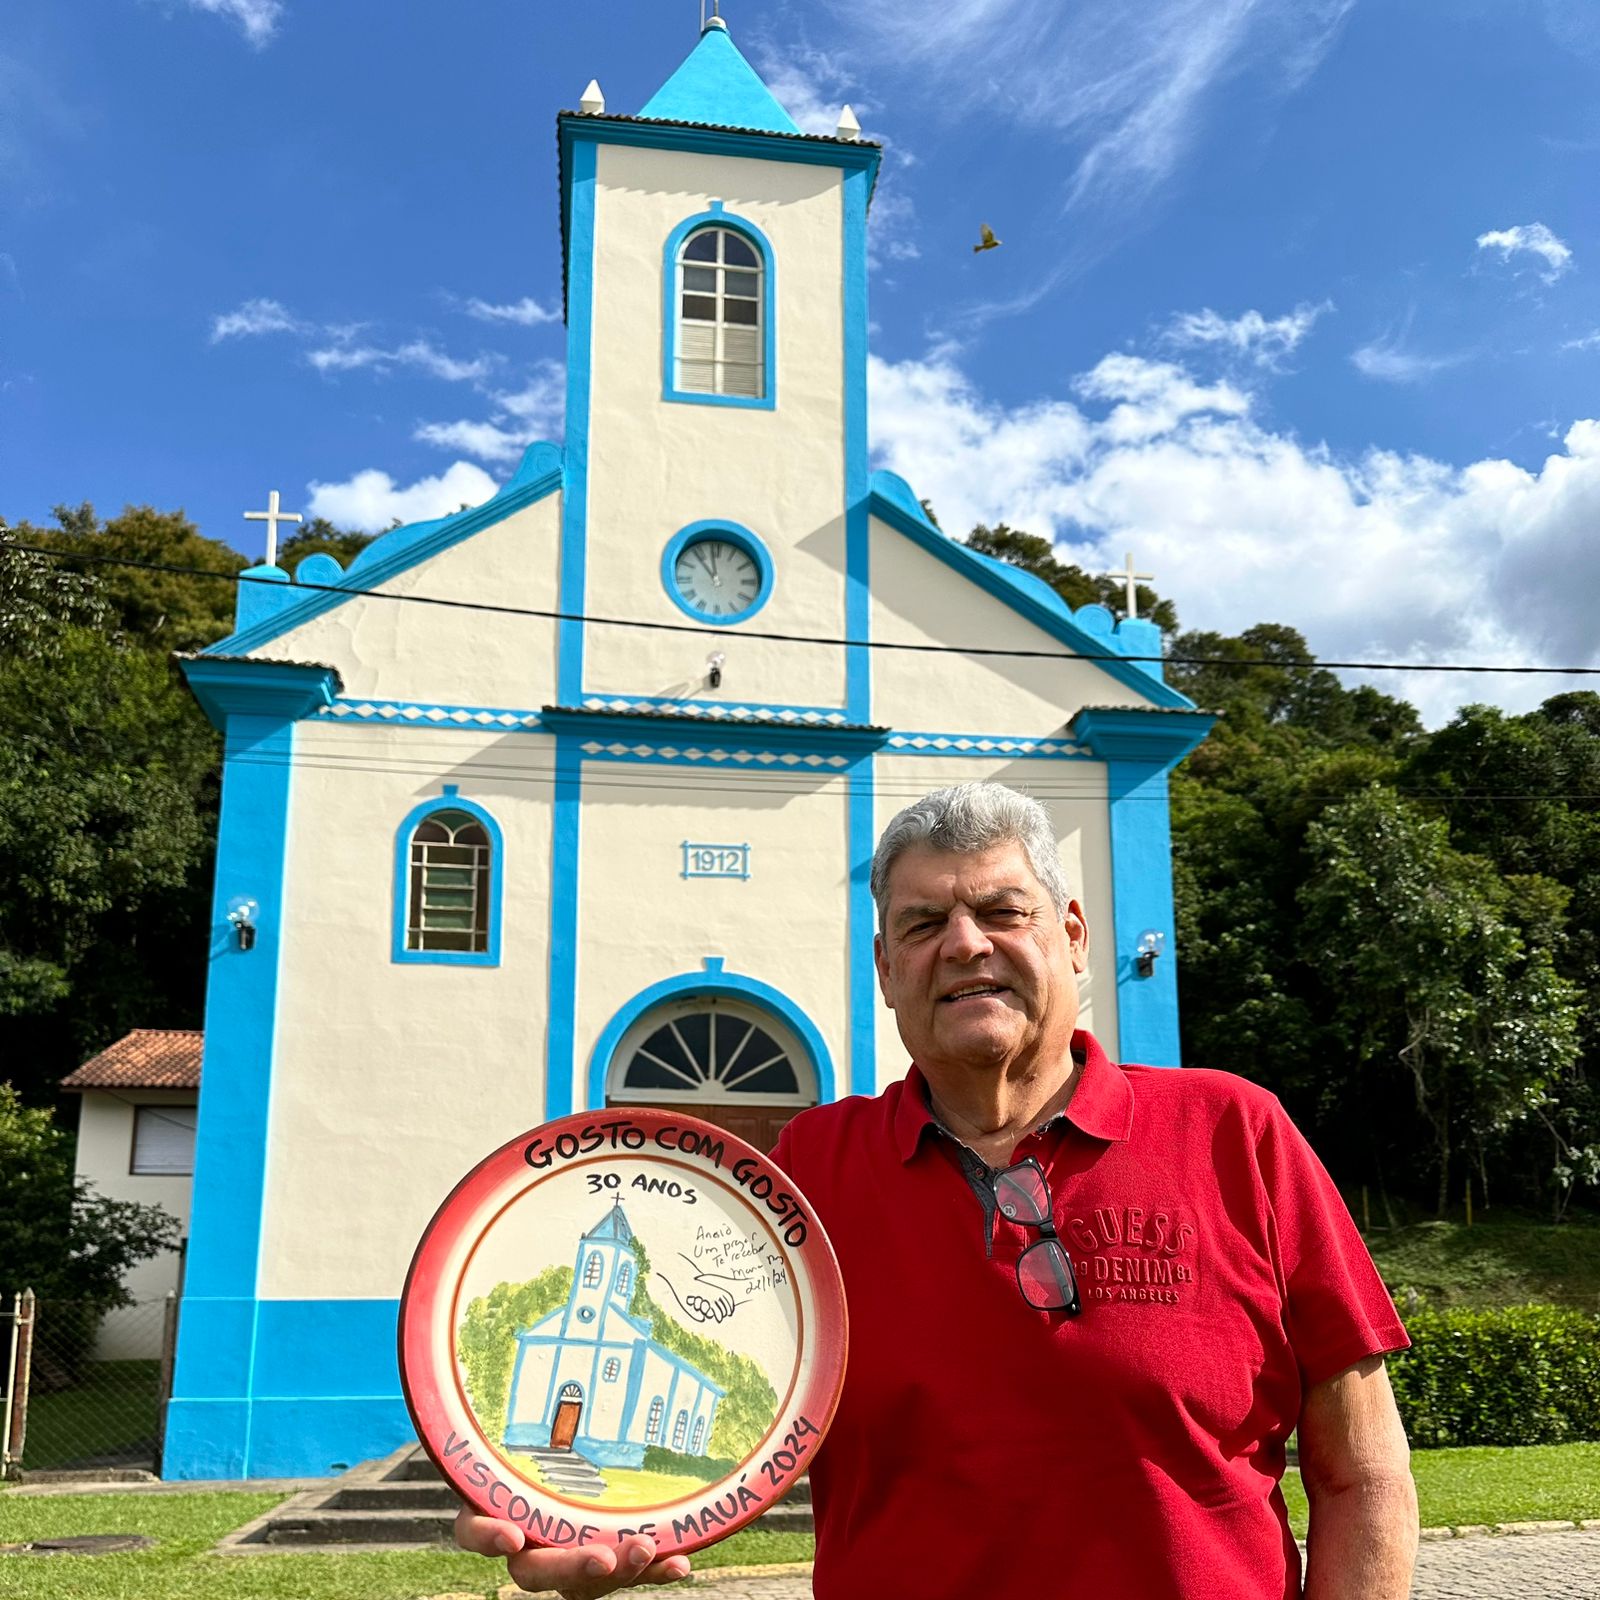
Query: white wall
[
  {"x": 105, "y": 1155},
  {"x": 641, "y": 922},
  {"x": 917, "y": 599},
  {"x": 391, "y": 1079},
  {"x": 396, "y": 650}
]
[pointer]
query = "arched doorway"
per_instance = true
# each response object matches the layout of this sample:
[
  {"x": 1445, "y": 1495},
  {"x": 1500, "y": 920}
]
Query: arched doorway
[
  {"x": 725, "y": 1058},
  {"x": 564, "y": 1425}
]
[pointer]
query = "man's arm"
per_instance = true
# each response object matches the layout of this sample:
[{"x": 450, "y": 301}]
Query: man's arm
[{"x": 1356, "y": 1468}]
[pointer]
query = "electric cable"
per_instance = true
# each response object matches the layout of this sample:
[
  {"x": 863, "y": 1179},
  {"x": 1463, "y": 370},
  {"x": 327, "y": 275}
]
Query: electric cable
[{"x": 711, "y": 631}]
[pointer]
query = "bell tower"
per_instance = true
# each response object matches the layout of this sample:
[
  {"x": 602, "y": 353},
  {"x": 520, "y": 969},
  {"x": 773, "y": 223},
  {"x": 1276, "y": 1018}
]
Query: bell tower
[{"x": 716, "y": 300}]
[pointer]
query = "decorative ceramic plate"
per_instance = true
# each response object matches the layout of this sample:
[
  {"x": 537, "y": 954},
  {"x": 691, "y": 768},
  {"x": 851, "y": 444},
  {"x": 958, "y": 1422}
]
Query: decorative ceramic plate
[{"x": 625, "y": 1321}]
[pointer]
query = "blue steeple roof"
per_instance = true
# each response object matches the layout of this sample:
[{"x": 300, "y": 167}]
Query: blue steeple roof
[
  {"x": 613, "y": 1225},
  {"x": 717, "y": 85}
]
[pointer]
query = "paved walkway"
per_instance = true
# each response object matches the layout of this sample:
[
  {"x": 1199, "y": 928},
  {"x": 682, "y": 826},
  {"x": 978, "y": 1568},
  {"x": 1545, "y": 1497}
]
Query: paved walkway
[{"x": 1533, "y": 1566}]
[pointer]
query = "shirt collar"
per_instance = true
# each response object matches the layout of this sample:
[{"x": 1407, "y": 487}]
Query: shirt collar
[{"x": 1101, "y": 1104}]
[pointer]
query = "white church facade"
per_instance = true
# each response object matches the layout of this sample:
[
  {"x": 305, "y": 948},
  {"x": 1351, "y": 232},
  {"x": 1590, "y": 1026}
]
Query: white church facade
[{"x": 568, "y": 799}]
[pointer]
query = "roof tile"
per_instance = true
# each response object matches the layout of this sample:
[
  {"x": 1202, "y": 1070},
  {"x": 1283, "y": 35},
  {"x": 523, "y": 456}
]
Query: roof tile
[{"x": 147, "y": 1058}]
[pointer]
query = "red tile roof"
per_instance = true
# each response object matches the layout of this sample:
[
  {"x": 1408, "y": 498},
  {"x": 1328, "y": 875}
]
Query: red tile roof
[{"x": 147, "y": 1058}]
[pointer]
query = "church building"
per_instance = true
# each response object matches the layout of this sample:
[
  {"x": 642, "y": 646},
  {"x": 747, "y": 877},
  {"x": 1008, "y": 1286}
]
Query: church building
[{"x": 567, "y": 800}]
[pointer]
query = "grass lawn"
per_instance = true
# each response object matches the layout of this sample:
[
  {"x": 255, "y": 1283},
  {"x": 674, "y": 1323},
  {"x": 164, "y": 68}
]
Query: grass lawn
[
  {"x": 1470, "y": 1487},
  {"x": 110, "y": 1415},
  {"x": 1506, "y": 1260},
  {"x": 187, "y": 1525},
  {"x": 1456, "y": 1487}
]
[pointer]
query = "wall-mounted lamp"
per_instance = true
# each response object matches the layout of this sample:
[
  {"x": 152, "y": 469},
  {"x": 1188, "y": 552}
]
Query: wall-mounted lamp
[
  {"x": 1147, "y": 949},
  {"x": 242, "y": 914},
  {"x": 714, "y": 663}
]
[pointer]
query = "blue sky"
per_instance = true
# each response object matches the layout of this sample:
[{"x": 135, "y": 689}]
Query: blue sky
[{"x": 1298, "y": 299}]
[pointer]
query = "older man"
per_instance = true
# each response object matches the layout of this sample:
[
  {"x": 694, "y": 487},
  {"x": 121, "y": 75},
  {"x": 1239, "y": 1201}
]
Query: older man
[{"x": 1088, "y": 1302}]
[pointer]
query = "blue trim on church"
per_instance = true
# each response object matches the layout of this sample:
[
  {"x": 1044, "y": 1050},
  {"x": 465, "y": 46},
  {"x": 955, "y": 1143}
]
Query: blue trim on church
[{"x": 1139, "y": 748}]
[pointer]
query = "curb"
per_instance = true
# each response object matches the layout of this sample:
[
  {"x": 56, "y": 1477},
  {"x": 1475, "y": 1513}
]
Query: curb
[
  {"x": 777, "y": 1569},
  {"x": 1478, "y": 1530}
]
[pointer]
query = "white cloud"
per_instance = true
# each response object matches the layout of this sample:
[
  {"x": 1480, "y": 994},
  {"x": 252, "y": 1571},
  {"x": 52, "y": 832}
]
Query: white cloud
[
  {"x": 372, "y": 500},
  {"x": 253, "y": 318},
  {"x": 525, "y": 313},
  {"x": 258, "y": 18},
  {"x": 517, "y": 417},
  {"x": 418, "y": 353},
  {"x": 1380, "y": 556},
  {"x": 1389, "y": 362},
  {"x": 1589, "y": 341},
  {"x": 1251, "y": 336},
  {"x": 811, "y": 85},
  {"x": 1128, "y": 85},
  {"x": 1533, "y": 238}
]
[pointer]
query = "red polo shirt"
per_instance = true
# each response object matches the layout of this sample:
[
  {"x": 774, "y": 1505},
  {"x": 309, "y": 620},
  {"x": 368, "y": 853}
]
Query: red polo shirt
[{"x": 985, "y": 1449}]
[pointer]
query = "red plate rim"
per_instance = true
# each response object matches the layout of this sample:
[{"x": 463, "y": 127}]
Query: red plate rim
[{"x": 448, "y": 1429}]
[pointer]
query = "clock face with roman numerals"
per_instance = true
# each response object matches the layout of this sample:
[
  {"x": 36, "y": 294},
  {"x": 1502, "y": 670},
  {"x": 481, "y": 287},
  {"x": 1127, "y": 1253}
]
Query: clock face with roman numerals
[{"x": 716, "y": 577}]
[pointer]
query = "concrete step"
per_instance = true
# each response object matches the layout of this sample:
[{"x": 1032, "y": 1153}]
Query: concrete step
[
  {"x": 401, "y": 1500},
  {"x": 317, "y": 1528}
]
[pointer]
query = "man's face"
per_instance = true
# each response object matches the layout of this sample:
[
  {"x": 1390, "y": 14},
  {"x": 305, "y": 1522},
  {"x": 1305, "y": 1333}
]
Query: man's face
[{"x": 980, "y": 970}]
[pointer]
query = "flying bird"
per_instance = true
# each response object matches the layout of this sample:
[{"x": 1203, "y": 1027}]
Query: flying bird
[{"x": 987, "y": 239}]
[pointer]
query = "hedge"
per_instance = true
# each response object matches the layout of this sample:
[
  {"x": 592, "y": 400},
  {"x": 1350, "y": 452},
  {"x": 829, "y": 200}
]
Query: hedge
[{"x": 1511, "y": 1376}]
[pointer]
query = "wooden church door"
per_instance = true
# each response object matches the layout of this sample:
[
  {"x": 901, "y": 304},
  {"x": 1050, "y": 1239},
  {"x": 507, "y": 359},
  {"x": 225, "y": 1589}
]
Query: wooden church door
[{"x": 569, "y": 1408}]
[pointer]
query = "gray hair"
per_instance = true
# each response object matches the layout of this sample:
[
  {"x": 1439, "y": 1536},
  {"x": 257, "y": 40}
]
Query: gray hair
[{"x": 969, "y": 817}]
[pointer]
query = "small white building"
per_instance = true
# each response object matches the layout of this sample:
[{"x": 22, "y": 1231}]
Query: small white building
[
  {"x": 569, "y": 799},
  {"x": 590, "y": 1376},
  {"x": 136, "y": 1132}
]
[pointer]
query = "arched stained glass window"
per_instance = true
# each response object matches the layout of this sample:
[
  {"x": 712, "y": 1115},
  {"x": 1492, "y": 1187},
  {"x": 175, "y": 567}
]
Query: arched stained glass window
[
  {"x": 624, "y": 1277},
  {"x": 680, "y": 1430},
  {"x": 449, "y": 888},
  {"x": 721, "y": 344},
  {"x": 699, "y": 1436},
  {"x": 652, "y": 1427},
  {"x": 592, "y": 1269}
]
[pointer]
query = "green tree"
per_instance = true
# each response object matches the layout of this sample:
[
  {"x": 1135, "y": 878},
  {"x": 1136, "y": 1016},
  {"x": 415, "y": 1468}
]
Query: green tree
[
  {"x": 487, "y": 1343},
  {"x": 107, "y": 805},
  {"x": 1074, "y": 585},
  {"x": 318, "y": 536},
  {"x": 58, "y": 1237},
  {"x": 162, "y": 610},
  {"x": 1429, "y": 974}
]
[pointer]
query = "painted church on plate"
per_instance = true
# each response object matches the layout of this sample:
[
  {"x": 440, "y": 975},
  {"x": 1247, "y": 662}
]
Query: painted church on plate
[
  {"x": 605, "y": 839},
  {"x": 590, "y": 1377}
]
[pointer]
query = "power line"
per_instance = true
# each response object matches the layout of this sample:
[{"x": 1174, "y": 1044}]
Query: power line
[{"x": 830, "y": 641}]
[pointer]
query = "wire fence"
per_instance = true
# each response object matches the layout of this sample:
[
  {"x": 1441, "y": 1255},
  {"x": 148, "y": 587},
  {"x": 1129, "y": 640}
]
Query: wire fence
[{"x": 92, "y": 1390}]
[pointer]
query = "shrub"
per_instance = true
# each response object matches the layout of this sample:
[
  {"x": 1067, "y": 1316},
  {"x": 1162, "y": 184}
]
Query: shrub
[{"x": 1512, "y": 1376}]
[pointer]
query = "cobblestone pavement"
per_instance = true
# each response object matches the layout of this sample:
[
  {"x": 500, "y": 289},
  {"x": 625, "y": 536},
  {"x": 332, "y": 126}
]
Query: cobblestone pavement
[
  {"x": 1513, "y": 1566},
  {"x": 1534, "y": 1566}
]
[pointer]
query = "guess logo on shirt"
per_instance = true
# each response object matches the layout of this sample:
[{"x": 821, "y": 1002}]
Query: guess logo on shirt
[{"x": 1143, "y": 1255}]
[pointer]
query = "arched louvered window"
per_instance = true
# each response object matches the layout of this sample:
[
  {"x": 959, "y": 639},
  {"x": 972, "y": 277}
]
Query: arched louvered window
[
  {"x": 680, "y": 1430},
  {"x": 721, "y": 309},
  {"x": 714, "y": 1050},
  {"x": 699, "y": 1437},
  {"x": 652, "y": 1427},
  {"x": 624, "y": 1277},
  {"x": 448, "y": 868},
  {"x": 612, "y": 1368},
  {"x": 592, "y": 1269}
]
